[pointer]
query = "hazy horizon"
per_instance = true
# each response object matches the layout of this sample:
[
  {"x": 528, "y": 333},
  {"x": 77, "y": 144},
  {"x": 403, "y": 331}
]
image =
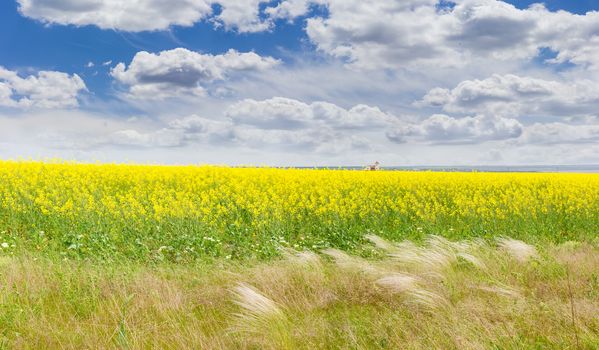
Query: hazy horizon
[{"x": 545, "y": 168}]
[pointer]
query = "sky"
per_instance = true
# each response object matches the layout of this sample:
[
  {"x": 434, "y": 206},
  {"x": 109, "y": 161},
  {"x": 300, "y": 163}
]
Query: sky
[{"x": 301, "y": 82}]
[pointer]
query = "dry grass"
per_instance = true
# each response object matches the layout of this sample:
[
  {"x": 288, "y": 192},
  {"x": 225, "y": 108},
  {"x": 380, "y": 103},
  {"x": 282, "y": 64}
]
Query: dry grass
[{"x": 441, "y": 295}]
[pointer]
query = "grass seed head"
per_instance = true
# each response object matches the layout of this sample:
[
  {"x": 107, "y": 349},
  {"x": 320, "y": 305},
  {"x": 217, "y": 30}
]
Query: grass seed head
[
  {"x": 472, "y": 260},
  {"x": 398, "y": 283},
  {"x": 518, "y": 249},
  {"x": 255, "y": 307},
  {"x": 428, "y": 299},
  {"x": 349, "y": 262},
  {"x": 305, "y": 257},
  {"x": 502, "y": 290},
  {"x": 381, "y": 243}
]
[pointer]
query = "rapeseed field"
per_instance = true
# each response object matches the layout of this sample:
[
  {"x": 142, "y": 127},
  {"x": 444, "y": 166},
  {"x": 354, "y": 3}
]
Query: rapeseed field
[{"x": 186, "y": 213}]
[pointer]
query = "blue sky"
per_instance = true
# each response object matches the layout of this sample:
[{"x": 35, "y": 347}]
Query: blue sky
[
  {"x": 29, "y": 44},
  {"x": 309, "y": 82},
  {"x": 576, "y": 6}
]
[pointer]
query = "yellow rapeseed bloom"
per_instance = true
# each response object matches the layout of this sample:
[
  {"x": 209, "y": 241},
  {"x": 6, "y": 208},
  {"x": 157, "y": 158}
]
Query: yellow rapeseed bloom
[{"x": 218, "y": 196}]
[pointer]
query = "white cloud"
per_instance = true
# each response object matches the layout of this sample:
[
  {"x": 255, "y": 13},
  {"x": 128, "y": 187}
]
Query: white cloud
[
  {"x": 146, "y": 15},
  {"x": 288, "y": 125},
  {"x": 180, "y": 72},
  {"x": 46, "y": 89},
  {"x": 160, "y": 138},
  {"x": 291, "y": 9},
  {"x": 6, "y": 95},
  {"x": 289, "y": 114},
  {"x": 71, "y": 128},
  {"x": 273, "y": 124},
  {"x": 176, "y": 133},
  {"x": 195, "y": 124},
  {"x": 399, "y": 34},
  {"x": 441, "y": 128},
  {"x": 116, "y": 14},
  {"x": 575, "y": 38},
  {"x": 196, "y": 130},
  {"x": 382, "y": 34},
  {"x": 560, "y": 133},
  {"x": 324, "y": 141},
  {"x": 242, "y": 16},
  {"x": 512, "y": 95},
  {"x": 85, "y": 136}
]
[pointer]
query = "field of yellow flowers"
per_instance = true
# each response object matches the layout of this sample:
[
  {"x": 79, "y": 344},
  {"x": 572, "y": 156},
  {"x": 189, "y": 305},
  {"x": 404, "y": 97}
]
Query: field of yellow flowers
[{"x": 185, "y": 213}]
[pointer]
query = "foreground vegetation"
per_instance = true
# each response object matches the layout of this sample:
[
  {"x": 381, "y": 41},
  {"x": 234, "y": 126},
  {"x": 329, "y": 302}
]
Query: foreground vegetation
[
  {"x": 441, "y": 295},
  {"x": 185, "y": 213},
  {"x": 144, "y": 257}
]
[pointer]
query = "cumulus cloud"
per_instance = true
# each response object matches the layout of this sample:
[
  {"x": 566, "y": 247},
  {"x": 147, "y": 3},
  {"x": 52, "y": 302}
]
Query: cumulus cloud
[
  {"x": 382, "y": 34},
  {"x": 46, "y": 89},
  {"x": 394, "y": 34},
  {"x": 114, "y": 14},
  {"x": 288, "y": 114},
  {"x": 180, "y": 71},
  {"x": 291, "y": 9},
  {"x": 242, "y": 16},
  {"x": 512, "y": 95},
  {"x": 441, "y": 128},
  {"x": 146, "y": 15}
]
